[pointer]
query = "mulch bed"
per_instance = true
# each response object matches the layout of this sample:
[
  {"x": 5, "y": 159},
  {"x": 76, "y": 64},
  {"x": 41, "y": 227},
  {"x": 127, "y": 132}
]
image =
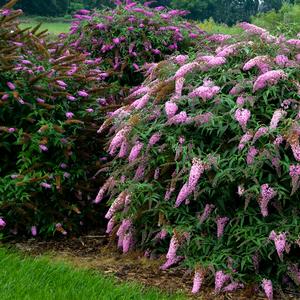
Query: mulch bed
[{"x": 97, "y": 253}]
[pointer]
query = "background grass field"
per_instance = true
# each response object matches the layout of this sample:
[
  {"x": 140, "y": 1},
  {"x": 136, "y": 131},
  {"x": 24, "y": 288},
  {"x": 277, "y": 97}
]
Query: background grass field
[{"x": 52, "y": 27}]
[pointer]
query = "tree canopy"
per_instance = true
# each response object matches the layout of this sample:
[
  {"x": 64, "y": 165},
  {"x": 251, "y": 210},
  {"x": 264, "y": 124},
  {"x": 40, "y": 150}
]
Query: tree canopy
[{"x": 225, "y": 11}]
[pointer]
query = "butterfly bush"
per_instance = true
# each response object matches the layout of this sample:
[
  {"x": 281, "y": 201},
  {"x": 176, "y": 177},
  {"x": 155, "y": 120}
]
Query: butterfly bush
[
  {"x": 128, "y": 36},
  {"x": 48, "y": 99},
  {"x": 226, "y": 180}
]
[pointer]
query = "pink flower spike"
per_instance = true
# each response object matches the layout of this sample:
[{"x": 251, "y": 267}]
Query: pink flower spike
[
  {"x": 83, "y": 94},
  {"x": 43, "y": 148},
  {"x": 242, "y": 116},
  {"x": 220, "y": 279},
  {"x": 277, "y": 116},
  {"x": 196, "y": 171},
  {"x": 268, "y": 288},
  {"x": 2, "y": 223},
  {"x": 11, "y": 86},
  {"x": 61, "y": 83},
  {"x": 69, "y": 115},
  {"x": 221, "y": 223},
  {"x": 266, "y": 195},
  {"x": 173, "y": 247},
  {"x": 268, "y": 78},
  {"x": 33, "y": 230},
  {"x": 170, "y": 109},
  {"x": 207, "y": 211},
  {"x": 135, "y": 151},
  {"x": 183, "y": 194},
  {"x": 233, "y": 287},
  {"x": 198, "y": 280}
]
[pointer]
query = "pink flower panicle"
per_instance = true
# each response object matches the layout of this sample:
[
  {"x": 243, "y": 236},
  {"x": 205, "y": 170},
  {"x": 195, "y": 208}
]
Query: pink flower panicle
[
  {"x": 296, "y": 150},
  {"x": 124, "y": 227},
  {"x": 280, "y": 242},
  {"x": 180, "y": 118},
  {"x": 123, "y": 149},
  {"x": 221, "y": 223},
  {"x": 259, "y": 133},
  {"x": 261, "y": 62},
  {"x": 140, "y": 172},
  {"x": 277, "y": 116},
  {"x": 11, "y": 86},
  {"x": 242, "y": 116},
  {"x": 294, "y": 170},
  {"x": 127, "y": 242},
  {"x": 281, "y": 60},
  {"x": 268, "y": 288},
  {"x": 173, "y": 247},
  {"x": 181, "y": 59},
  {"x": 197, "y": 282},
  {"x": 135, "y": 151},
  {"x": 278, "y": 141},
  {"x": 46, "y": 185},
  {"x": 220, "y": 279},
  {"x": 69, "y": 115},
  {"x": 116, "y": 205},
  {"x": 245, "y": 139},
  {"x": 266, "y": 195},
  {"x": 207, "y": 211},
  {"x": 33, "y": 231},
  {"x": 2, "y": 223},
  {"x": 211, "y": 61},
  {"x": 109, "y": 182},
  {"x": 141, "y": 103},
  {"x": 196, "y": 172},
  {"x": 154, "y": 139},
  {"x": 110, "y": 225},
  {"x": 294, "y": 42},
  {"x": 117, "y": 140},
  {"x": 185, "y": 69},
  {"x": 170, "y": 262},
  {"x": 161, "y": 235},
  {"x": 252, "y": 29},
  {"x": 183, "y": 194},
  {"x": 170, "y": 109},
  {"x": 219, "y": 38},
  {"x": 251, "y": 155},
  {"x": 205, "y": 92},
  {"x": 233, "y": 286},
  {"x": 268, "y": 78}
]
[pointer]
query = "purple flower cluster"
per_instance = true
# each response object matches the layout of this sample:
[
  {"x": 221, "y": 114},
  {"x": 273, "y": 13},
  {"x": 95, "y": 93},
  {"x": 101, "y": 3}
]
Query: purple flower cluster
[
  {"x": 280, "y": 242},
  {"x": 197, "y": 282},
  {"x": 266, "y": 195},
  {"x": 268, "y": 288},
  {"x": 242, "y": 116},
  {"x": 221, "y": 223},
  {"x": 268, "y": 78},
  {"x": 220, "y": 279}
]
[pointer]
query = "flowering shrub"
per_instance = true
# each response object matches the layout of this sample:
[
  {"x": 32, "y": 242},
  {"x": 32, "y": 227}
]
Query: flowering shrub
[
  {"x": 130, "y": 35},
  {"x": 48, "y": 100},
  {"x": 206, "y": 163}
]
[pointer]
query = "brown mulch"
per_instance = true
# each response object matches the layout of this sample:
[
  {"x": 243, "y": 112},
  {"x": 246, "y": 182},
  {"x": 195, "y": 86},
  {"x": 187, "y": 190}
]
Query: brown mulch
[{"x": 96, "y": 253}]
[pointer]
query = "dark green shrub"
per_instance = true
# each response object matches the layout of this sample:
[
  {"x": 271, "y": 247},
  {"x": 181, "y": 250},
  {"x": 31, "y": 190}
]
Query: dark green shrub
[
  {"x": 48, "y": 122},
  {"x": 129, "y": 36}
]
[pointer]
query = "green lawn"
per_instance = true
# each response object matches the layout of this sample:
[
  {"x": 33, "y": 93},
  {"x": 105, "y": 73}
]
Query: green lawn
[
  {"x": 53, "y": 27},
  {"x": 24, "y": 278}
]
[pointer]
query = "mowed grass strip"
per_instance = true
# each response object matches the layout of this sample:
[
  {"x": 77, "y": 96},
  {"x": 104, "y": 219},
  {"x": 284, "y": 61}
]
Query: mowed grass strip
[
  {"x": 38, "y": 278},
  {"x": 53, "y": 28}
]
